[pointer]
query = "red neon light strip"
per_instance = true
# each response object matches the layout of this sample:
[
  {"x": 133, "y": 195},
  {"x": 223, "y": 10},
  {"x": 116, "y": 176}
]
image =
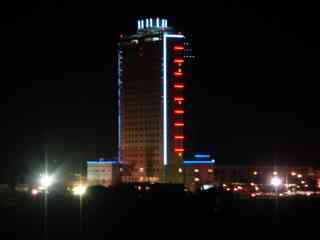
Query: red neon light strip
[
  {"x": 178, "y": 48},
  {"x": 179, "y": 60},
  {"x": 178, "y": 111},
  {"x": 178, "y": 74},
  {"x": 179, "y": 150},
  {"x": 178, "y": 137},
  {"x": 178, "y": 86},
  {"x": 179, "y": 99},
  {"x": 178, "y": 124}
]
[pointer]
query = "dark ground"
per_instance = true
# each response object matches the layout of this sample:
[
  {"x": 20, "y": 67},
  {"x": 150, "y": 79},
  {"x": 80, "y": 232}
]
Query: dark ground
[{"x": 167, "y": 215}]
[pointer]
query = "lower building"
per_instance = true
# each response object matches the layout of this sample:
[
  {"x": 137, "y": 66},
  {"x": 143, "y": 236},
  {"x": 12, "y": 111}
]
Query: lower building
[
  {"x": 194, "y": 173},
  {"x": 103, "y": 172}
]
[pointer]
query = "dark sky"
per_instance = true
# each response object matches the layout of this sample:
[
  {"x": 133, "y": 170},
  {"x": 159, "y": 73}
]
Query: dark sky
[{"x": 253, "y": 97}]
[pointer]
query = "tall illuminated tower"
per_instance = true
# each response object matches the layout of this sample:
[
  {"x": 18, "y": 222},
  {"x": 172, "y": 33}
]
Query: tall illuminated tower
[{"x": 151, "y": 76}]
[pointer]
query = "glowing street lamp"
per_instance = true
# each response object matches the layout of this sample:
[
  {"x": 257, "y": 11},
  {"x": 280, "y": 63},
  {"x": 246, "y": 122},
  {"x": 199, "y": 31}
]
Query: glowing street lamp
[
  {"x": 46, "y": 181},
  {"x": 275, "y": 181},
  {"x": 79, "y": 190}
]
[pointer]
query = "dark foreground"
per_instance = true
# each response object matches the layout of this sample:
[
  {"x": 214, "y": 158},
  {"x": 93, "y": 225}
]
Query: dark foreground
[{"x": 119, "y": 214}]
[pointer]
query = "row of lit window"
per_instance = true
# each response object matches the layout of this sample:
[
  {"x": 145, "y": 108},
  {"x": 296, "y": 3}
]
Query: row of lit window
[{"x": 196, "y": 170}]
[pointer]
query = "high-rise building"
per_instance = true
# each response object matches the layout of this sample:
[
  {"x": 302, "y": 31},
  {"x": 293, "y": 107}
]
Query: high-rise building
[{"x": 151, "y": 78}]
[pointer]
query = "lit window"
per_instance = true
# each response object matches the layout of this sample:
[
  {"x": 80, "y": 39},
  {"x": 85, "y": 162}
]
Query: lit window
[
  {"x": 180, "y": 170},
  {"x": 210, "y": 170},
  {"x": 196, "y": 179},
  {"x": 141, "y": 169},
  {"x": 196, "y": 170}
]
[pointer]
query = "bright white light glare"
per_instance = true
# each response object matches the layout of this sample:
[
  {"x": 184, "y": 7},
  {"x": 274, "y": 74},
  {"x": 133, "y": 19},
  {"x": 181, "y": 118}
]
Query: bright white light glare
[
  {"x": 34, "y": 192},
  {"x": 79, "y": 190},
  {"x": 275, "y": 181},
  {"x": 46, "y": 181}
]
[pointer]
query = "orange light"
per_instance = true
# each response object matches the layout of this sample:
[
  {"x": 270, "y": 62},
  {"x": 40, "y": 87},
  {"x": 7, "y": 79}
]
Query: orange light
[
  {"x": 179, "y": 60},
  {"x": 178, "y": 111},
  {"x": 178, "y": 74},
  {"x": 178, "y": 48},
  {"x": 179, "y": 99},
  {"x": 178, "y": 124},
  {"x": 179, "y": 150},
  {"x": 178, "y": 86},
  {"x": 178, "y": 137}
]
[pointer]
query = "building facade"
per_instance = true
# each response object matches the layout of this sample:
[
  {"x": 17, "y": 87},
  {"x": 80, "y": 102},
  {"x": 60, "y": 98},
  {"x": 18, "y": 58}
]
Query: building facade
[
  {"x": 103, "y": 172},
  {"x": 151, "y": 77}
]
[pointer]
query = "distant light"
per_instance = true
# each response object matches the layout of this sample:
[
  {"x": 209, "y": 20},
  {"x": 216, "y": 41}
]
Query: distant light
[
  {"x": 252, "y": 184},
  {"x": 257, "y": 188},
  {"x": 235, "y": 189},
  {"x": 253, "y": 195},
  {"x": 142, "y": 24},
  {"x": 141, "y": 178},
  {"x": 141, "y": 169},
  {"x": 79, "y": 190},
  {"x": 224, "y": 185},
  {"x": 180, "y": 170},
  {"x": 281, "y": 194},
  {"x": 147, "y": 23},
  {"x": 275, "y": 181},
  {"x": 147, "y": 188},
  {"x": 46, "y": 181},
  {"x": 303, "y": 182},
  {"x": 255, "y": 173},
  {"x": 121, "y": 169},
  {"x": 293, "y": 173},
  {"x": 306, "y": 185},
  {"x": 196, "y": 179},
  {"x": 299, "y": 176},
  {"x": 240, "y": 188},
  {"x": 150, "y": 21},
  {"x": 207, "y": 186},
  {"x": 139, "y": 24},
  {"x": 275, "y": 173},
  {"x": 34, "y": 192},
  {"x": 196, "y": 170},
  {"x": 139, "y": 188},
  {"x": 210, "y": 170},
  {"x": 158, "y": 23},
  {"x": 228, "y": 189}
]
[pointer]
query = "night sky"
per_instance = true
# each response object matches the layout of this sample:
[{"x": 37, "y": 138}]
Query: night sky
[{"x": 253, "y": 98}]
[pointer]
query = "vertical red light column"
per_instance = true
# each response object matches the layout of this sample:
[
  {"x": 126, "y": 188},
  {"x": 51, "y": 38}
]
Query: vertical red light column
[{"x": 178, "y": 99}]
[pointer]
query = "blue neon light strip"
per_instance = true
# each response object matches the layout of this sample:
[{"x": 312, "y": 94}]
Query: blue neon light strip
[
  {"x": 198, "y": 162},
  {"x": 165, "y": 104},
  {"x": 202, "y": 156},
  {"x": 158, "y": 22},
  {"x": 119, "y": 103},
  {"x": 102, "y": 162}
]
